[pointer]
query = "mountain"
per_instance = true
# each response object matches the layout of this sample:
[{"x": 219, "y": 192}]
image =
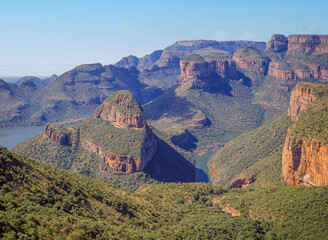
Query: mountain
[
  {"x": 71, "y": 97},
  {"x": 294, "y": 145},
  {"x": 37, "y": 81},
  {"x": 211, "y": 99},
  {"x": 42, "y": 202},
  {"x": 115, "y": 144}
]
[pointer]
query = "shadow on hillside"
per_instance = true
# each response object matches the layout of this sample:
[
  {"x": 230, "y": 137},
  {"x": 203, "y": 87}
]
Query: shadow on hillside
[
  {"x": 201, "y": 176},
  {"x": 168, "y": 165}
]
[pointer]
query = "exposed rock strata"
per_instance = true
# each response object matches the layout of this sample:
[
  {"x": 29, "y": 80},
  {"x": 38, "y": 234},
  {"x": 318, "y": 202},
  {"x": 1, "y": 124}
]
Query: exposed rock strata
[
  {"x": 308, "y": 43},
  {"x": 277, "y": 43},
  {"x": 300, "y": 98},
  {"x": 55, "y": 135},
  {"x": 122, "y": 119},
  {"x": 242, "y": 183},
  {"x": 304, "y": 162},
  {"x": 254, "y": 66},
  {"x": 126, "y": 164}
]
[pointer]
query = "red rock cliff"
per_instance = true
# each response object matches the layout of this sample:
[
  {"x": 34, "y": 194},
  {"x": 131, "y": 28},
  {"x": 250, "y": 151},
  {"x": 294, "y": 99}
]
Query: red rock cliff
[
  {"x": 300, "y": 98},
  {"x": 224, "y": 67},
  {"x": 125, "y": 164},
  {"x": 277, "y": 43},
  {"x": 191, "y": 70},
  {"x": 278, "y": 70},
  {"x": 53, "y": 132},
  {"x": 308, "y": 43},
  {"x": 118, "y": 113},
  {"x": 304, "y": 162}
]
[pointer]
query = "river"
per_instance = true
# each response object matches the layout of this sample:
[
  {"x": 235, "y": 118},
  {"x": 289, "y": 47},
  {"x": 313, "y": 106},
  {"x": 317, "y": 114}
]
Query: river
[
  {"x": 10, "y": 137},
  {"x": 202, "y": 173}
]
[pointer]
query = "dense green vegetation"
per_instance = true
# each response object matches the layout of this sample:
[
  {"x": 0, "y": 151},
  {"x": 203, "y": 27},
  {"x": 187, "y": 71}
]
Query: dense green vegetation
[
  {"x": 41, "y": 202},
  {"x": 252, "y": 53},
  {"x": 285, "y": 212},
  {"x": 256, "y": 153},
  {"x": 313, "y": 122},
  {"x": 213, "y": 117},
  {"x": 193, "y": 58}
]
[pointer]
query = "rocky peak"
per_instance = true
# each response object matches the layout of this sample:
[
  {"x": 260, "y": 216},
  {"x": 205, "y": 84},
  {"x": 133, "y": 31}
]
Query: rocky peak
[
  {"x": 128, "y": 61},
  {"x": 57, "y": 134},
  {"x": 122, "y": 110},
  {"x": 300, "y": 98},
  {"x": 308, "y": 43},
  {"x": 252, "y": 59},
  {"x": 277, "y": 43}
]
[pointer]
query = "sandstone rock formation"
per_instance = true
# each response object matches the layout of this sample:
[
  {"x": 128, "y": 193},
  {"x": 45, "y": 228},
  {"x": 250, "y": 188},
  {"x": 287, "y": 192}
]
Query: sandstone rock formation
[
  {"x": 252, "y": 60},
  {"x": 123, "y": 111},
  {"x": 304, "y": 162},
  {"x": 55, "y": 134},
  {"x": 242, "y": 183},
  {"x": 279, "y": 70},
  {"x": 305, "y": 153},
  {"x": 120, "y": 110},
  {"x": 308, "y": 43},
  {"x": 277, "y": 43},
  {"x": 300, "y": 98}
]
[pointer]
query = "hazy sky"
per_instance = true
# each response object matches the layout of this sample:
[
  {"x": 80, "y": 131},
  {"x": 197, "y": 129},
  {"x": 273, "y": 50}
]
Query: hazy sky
[{"x": 45, "y": 37}]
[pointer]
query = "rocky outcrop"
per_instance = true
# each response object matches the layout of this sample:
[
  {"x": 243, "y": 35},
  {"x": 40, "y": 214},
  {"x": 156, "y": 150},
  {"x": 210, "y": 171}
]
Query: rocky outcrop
[
  {"x": 123, "y": 163},
  {"x": 277, "y": 43},
  {"x": 56, "y": 135},
  {"x": 181, "y": 138},
  {"x": 122, "y": 111},
  {"x": 304, "y": 162},
  {"x": 191, "y": 70},
  {"x": 308, "y": 43},
  {"x": 242, "y": 183},
  {"x": 254, "y": 66},
  {"x": 279, "y": 70},
  {"x": 224, "y": 67},
  {"x": 300, "y": 98},
  {"x": 252, "y": 60}
]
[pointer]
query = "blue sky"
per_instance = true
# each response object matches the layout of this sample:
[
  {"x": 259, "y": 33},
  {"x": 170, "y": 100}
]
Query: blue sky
[{"x": 45, "y": 37}]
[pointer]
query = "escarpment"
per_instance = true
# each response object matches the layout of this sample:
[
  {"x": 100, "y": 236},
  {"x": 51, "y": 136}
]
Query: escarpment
[
  {"x": 201, "y": 72},
  {"x": 123, "y": 118},
  {"x": 300, "y": 98},
  {"x": 252, "y": 60},
  {"x": 122, "y": 110},
  {"x": 308, "y": 43},
  {"x": 277, "y": 43},
  {"x": 305, "y": 153},
  {"x": 57, "y": 134}
]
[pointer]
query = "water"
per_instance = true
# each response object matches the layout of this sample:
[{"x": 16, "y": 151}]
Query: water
[
  {"x": 10, "y": 137},
  {"x": 202, "y": 172}
]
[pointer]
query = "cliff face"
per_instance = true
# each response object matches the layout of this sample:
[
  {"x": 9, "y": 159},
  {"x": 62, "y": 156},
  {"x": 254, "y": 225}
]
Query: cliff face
[
  {"x": 300, "y": 98},
  {"x": 255, "y": 66},
  {"x": 304, "y": 162},
  {"x": 53, "y": 132},
  {"x": 277, "y": 43},
  {"x": 305, "y": 153},
  {"x": 117, "y": 112},
  {"x": 123, "y": 163},
  {"x": 308, "y": 43},
  {"x": 252, "y": 60},
  {"x": 224, "y": 67},
  {"x": 191, "y": 70},
  {"x": 277, "y": 70},
  {"x": 123, "y": 111}
]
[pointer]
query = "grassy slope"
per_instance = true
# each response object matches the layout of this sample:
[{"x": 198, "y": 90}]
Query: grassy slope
[
  {"x": 288, "y": 212},
  {"x": 229, "y": 115},
  {"x": 257, "y": 152},
  {"x": 37, "y": 201}
]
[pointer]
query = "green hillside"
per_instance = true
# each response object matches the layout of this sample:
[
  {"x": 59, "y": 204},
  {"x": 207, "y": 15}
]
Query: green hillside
[
  {"x": 41, "y": 202},
  {"x": 256, "y": 153}
]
